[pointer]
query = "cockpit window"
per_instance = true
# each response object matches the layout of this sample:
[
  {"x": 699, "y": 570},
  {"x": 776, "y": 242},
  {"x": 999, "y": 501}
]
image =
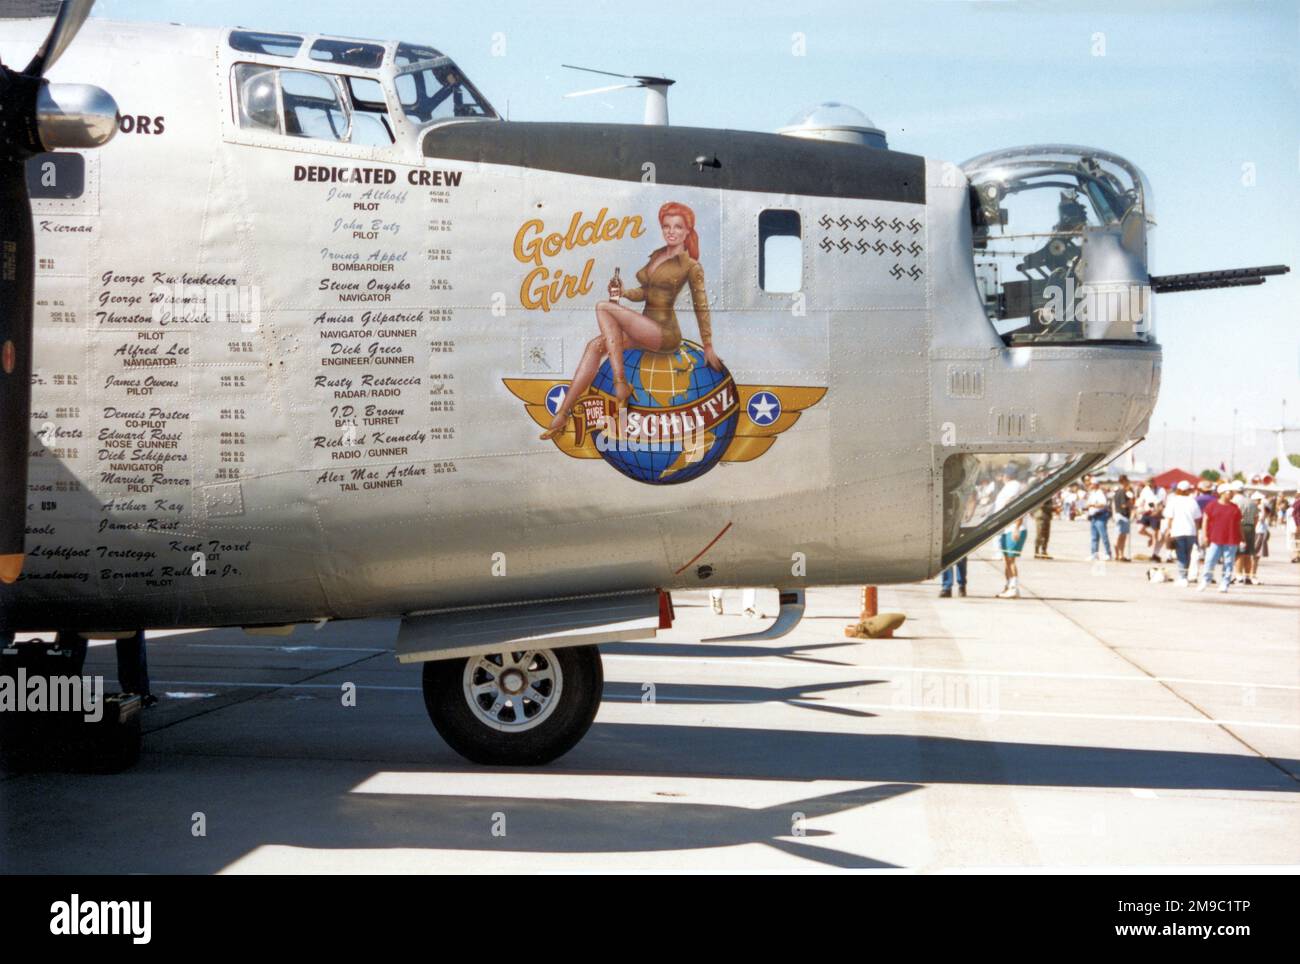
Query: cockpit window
[
  {"x": 370, "y": 124},
  {"x": 312, "y": 106},
  {"x": 413, "y": 54},
  {"x": 349, "y": 53},
  {"x": 432, "y": 88},
  {"x": 366, "y": 93},
  {"x": 271, "y": 44},
  {"x": 1060, "y": 244},
  {"x": 303, "y": 103},
  {"x": 257, "y": 94}
]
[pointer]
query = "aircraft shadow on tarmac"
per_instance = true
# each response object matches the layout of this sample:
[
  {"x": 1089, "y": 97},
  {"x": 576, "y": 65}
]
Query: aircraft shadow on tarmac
[
  {"x": 585, "y": 826},
  {"x": 138, "y": 822},
  {"x": 804, "y": 696},
  {"x": 1239, "y": 597},
  {"x": 798, "y": 651},
  {"x": 131, "y": 831},
  {"x": 906, "y": 758}
]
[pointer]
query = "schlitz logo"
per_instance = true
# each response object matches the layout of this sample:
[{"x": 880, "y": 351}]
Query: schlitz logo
[{"x": 682, "y": 419}]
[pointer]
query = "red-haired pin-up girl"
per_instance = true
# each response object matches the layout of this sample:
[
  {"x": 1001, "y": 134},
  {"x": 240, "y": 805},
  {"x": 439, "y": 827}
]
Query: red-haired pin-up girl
[{"x": 670, "y": 268}]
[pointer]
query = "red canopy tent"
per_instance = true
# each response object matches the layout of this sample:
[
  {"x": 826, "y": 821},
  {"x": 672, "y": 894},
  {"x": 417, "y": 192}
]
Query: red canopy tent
[{"x": 1168, "y": 480}]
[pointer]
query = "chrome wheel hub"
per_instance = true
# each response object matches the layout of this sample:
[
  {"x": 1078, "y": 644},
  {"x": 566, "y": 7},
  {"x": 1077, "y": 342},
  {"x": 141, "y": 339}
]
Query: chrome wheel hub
[{"x": 514, "y": 690}]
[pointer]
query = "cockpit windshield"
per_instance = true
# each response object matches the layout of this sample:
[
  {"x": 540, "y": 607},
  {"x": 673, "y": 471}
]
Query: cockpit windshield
[
  {"x": 431, "y": 88},
  {"x": 1060, "y": 243}
]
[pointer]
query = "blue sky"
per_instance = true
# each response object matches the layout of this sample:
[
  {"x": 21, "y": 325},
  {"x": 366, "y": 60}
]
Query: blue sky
[{"x": 1203, "y": 96}]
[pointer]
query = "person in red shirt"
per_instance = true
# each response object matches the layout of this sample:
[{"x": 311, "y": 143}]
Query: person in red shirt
[{"x": 1222, "y": 533}]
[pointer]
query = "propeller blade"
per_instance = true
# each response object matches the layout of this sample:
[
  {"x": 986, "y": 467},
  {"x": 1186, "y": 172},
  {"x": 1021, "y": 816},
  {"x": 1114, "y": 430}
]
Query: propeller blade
[
  {"x": 593, "y": 70},
  {"x": 601, "y": 90},
  {"x": 74, "y": 115},
  {"x": 19, "y": 140},
  {"x": 72, "y": 14},
  {"x": 17, "y": 266}
]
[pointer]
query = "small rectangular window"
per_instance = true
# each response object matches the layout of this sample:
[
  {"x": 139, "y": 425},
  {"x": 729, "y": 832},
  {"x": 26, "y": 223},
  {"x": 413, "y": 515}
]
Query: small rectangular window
[
  {"x": 61, "y": 176},
  {"x": 349, "y": 53},
  {"x": 414, "y": 54},
  {"x": 780, "y": 251},
  {"x": 272, "y": 44}
]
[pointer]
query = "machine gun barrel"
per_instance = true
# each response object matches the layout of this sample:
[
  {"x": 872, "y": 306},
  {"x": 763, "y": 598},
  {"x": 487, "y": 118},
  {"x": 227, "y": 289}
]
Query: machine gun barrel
[{"x": 1225, "y": 278}]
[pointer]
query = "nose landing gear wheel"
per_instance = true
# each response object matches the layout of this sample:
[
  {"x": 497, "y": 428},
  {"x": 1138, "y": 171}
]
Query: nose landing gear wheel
[{"x": 522, "y": 707}]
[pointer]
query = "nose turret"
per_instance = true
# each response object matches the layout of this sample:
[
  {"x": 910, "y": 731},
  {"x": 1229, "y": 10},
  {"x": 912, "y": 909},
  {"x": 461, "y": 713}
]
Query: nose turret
[{"x": 1060, "y": 238}]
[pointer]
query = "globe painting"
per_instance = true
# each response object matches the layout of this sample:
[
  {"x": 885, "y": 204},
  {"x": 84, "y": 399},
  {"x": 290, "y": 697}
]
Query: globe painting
[
  {"x": 678, "y": 423},
  {"x": 681, "y": 419}
]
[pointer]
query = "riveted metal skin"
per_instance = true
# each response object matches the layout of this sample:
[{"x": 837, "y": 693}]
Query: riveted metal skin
[{"x": 283, "y": 378}]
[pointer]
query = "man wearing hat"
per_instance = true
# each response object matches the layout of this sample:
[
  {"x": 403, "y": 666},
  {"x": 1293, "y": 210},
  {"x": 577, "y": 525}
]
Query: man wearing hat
[
  {"x": 1043, "y": 525},
  {"x": 1265, "y": 512},
  {"x": 1098, "y": 517},
  {"x": 1204, "y": 498},
  {"x": 1150, "y": 511},
  {"x": 1184, "y": 516},
  {"x": 1222, "y": 534},
  {"x": 1012, "y": 540},
  {"x": 1121, "y": 502},
  {"x": 1204, "y": 493},
  {"x": 1249, "y": 518}
]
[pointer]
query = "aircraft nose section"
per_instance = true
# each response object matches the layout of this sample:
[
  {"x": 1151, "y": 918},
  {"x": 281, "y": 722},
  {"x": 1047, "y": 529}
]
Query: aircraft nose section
[{"x": 1039, "y": 415}]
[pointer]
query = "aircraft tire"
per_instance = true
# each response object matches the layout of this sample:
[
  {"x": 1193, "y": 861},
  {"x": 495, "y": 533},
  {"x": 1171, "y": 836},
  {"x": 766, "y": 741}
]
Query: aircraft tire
[{"x": 567, "y": 684}]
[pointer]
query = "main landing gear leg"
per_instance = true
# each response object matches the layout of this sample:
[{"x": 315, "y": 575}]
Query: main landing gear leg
[{"x": 133, "y": 668}]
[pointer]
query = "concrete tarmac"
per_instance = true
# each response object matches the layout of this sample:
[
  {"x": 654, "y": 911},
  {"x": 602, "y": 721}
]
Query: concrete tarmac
[{"x": 1100, "y": 721}]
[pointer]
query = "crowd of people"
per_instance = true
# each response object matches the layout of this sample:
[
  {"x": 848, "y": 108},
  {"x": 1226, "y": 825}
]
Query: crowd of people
[{"x": 1204, "y": 528}]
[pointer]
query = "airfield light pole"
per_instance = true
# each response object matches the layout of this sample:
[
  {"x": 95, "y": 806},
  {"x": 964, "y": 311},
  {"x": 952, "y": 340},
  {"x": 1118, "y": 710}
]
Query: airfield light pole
[
  {"x": 1232, "y": 451},
  {"x": 1282, "y": 448},
  {"x": 1192, "y": 457}
]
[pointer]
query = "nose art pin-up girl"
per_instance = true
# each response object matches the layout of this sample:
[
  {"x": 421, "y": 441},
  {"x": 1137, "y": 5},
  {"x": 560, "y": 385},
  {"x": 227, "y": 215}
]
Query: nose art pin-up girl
[{"x": 669, "y": 269}]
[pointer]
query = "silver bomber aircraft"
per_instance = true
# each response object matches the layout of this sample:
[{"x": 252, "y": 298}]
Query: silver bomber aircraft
[{"x": 317, "y": 335}]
